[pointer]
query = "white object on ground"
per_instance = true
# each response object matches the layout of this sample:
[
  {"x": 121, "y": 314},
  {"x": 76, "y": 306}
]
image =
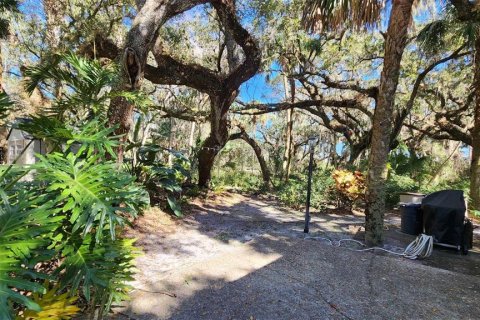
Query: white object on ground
[{"x": 421, "y": 247}]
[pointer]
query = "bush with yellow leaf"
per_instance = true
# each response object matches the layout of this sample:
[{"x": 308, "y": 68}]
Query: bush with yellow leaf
[
  {"x": 349, "y": 186},
  {"x": 54, "y": 306}
]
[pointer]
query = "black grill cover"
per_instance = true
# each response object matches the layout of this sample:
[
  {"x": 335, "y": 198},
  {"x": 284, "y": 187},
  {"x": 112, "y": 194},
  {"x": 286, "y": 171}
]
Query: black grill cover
[{"x": 444, "y": 215}]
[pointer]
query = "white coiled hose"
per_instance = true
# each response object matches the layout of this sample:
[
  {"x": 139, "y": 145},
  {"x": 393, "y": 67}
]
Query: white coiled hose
[{"x": 421, "y": 247}]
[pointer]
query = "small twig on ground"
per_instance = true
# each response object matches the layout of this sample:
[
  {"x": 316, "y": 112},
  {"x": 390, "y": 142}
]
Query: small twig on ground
[{"x": 173, "y": 295}]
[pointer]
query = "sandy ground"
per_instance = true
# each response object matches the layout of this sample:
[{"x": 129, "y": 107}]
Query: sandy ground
[{"x": 239, "y": 257}]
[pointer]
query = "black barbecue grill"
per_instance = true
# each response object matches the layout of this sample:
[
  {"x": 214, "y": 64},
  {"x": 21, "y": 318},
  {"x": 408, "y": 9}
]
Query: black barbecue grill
[{"x": 444, "y": 219}]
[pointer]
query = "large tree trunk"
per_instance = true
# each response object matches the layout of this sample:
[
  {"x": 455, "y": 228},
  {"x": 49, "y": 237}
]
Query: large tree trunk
[
  {"x": 216, "y": 140},
  {"x": 152, "y": 14},
  {"x": 139, "y": 40},
  {"x": 221, "y": 98},
  {"x": 355, "y": 152},
  {"x": 475, "y": 164},
  {"x": 357, "y": 148},
  {"x": 206, "y": 159},
  {"x": 191, "y": 140},
  {"x": 395, "y": 43},
  {"x": 54, "y": 10}
]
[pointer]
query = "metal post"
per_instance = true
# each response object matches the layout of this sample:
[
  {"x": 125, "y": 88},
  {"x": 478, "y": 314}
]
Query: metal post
[{"x": 309, "y": 186}]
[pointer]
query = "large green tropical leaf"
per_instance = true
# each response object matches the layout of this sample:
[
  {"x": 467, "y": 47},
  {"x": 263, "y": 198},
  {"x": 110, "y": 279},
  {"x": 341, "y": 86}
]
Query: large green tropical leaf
[
  {"x": 25, "y": 227},
  {"x": 93, "y": 137},
  {"x": 94, "y": 195},
  {"x": 101, "y": 270}
]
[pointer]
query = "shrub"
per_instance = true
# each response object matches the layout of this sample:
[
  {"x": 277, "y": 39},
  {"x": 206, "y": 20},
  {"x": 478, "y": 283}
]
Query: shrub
[
  {"x": 294, "y": 192},
  {"x": 349, "y": 187},
  {"x": 461, "y": 183},
  {"x": 397, "y": 184},
  {"x": 163, "y": 182},
  {"x": 232, "y": 178},
  {"x": 62, "y": 225}
]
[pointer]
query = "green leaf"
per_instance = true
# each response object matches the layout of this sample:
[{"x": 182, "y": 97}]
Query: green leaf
[
  {"x": 93, "y": 195},
  {"x": 5, "y": 105},
  {"x": 172, "y": 202},
  {"x": 25, "y": 226},
  {"x": 100, "y": 269}
]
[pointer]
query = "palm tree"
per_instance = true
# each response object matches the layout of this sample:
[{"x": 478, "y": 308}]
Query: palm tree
[
  {"x": 328, "y": 15},
  {"x": 338, "y": 14},
  {"x": 461, "y": 21}
]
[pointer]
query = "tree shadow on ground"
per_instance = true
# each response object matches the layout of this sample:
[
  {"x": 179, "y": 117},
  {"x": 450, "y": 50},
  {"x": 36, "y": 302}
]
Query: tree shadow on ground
[
  {"x": 311, "y": 280},
  {"x": 262, "y": 267}
]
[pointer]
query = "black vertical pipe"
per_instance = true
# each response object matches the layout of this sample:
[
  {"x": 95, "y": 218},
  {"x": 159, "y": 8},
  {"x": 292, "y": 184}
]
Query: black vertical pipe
[{"x": 309, "y": 191}]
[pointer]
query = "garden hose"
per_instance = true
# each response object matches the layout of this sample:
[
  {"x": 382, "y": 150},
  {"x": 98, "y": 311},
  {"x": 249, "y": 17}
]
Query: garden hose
[{"x": 421, "y": 247}]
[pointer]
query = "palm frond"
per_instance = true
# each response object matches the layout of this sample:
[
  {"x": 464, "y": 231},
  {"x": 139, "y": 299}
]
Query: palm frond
[
  {"x": 84, "y": 76},
  {"x": 87, "y": 86},
  {"x": 432, "y": 37},
  {"x": 5, "y": 105},
  {"x": 331, "y": 15},
  {"x": 8, "y": 5},
  {"x": 435, "y": 35},
  {"x": 87, "y": 82}
]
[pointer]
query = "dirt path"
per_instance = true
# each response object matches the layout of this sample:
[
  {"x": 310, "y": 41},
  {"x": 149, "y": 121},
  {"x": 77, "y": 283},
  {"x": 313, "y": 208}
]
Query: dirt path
[{"x": 237, "y": 257}]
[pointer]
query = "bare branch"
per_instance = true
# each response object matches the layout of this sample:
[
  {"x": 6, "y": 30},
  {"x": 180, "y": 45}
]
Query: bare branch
[{"x": 263, "y": 108}]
